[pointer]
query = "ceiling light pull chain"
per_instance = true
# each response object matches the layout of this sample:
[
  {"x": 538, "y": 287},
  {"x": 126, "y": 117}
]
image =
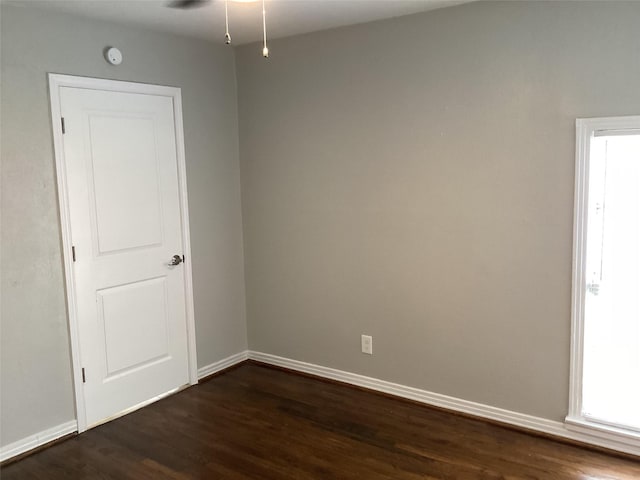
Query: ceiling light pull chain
[
  {"x": 227, "y": 37},
  {"x": 265, "y": 50}
]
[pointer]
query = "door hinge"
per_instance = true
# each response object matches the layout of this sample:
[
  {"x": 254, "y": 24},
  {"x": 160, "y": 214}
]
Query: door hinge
[
  {"x": 64, "y": 130},
  {"x": 84, "y": 379},
  {"x": 73, "y": 253}
]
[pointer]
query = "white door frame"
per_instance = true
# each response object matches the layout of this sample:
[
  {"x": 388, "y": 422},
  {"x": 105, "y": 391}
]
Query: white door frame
[{"x": 56, "y": 81}]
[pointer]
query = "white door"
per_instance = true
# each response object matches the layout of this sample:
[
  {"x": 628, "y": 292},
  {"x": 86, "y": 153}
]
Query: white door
[{"x": 125, "y": 216}]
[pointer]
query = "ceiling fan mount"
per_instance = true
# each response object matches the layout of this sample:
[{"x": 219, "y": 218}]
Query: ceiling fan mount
[
  {"x": 185, "y": 4},
  {"x": 188, "y": 4}
]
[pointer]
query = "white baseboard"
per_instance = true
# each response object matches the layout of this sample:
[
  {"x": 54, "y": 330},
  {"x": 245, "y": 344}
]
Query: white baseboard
[
  {"x": 37, "y": 440},
  {"x": 222, "y": 364},
  {"x": 559, "y": 429},
  {"x": 508, "y": 417}
]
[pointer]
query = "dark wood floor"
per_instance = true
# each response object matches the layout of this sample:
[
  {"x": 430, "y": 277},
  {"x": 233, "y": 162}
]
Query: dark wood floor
[{"x": 255, "y": 422}]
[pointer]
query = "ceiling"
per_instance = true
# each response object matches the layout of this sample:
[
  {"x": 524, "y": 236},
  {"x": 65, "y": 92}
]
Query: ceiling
[{"x": 284, "y": 17}]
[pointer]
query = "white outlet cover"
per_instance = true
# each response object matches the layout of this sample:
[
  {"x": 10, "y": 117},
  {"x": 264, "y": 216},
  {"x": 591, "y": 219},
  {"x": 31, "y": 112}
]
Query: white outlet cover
[{"x": 367, "y": 344}]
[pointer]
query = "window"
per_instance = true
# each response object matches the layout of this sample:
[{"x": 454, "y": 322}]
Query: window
[{"x": 605, "y": 363}]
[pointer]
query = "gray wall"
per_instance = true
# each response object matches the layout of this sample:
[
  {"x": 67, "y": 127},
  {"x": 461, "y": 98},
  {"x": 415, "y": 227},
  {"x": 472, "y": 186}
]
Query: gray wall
[
  {"x": 412, "y": 179},
  {"x": 36, "y": 376}
]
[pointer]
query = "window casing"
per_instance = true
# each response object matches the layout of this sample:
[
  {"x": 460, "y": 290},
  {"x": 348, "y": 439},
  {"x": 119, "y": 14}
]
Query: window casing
[{"x": 589, "y": 205}]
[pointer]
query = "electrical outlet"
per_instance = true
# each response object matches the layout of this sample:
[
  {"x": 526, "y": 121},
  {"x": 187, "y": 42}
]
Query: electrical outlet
[{"x": 367, "y": 344}]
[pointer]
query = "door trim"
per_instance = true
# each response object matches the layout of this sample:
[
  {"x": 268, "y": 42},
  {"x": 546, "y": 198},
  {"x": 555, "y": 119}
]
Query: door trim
[{"x": 56, "y": 81}]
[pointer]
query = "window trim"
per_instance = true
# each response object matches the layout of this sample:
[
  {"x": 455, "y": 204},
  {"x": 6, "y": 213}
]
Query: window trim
[{"x": 586, "y": 129}]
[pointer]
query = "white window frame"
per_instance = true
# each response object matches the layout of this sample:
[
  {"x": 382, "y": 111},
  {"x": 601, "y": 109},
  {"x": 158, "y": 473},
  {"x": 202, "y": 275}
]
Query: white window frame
[{"x": 586, "y": 129}]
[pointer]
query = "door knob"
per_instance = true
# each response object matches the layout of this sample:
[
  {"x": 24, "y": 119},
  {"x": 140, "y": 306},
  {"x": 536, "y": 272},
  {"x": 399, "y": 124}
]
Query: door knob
[{"x": 176, "y": 260}]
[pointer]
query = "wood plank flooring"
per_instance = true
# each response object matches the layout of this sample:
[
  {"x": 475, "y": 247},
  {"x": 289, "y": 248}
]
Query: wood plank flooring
[{"x": 255, "y": 422}]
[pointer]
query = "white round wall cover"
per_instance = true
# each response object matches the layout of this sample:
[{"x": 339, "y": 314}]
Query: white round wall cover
[{"x": 113, "y": 56}]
